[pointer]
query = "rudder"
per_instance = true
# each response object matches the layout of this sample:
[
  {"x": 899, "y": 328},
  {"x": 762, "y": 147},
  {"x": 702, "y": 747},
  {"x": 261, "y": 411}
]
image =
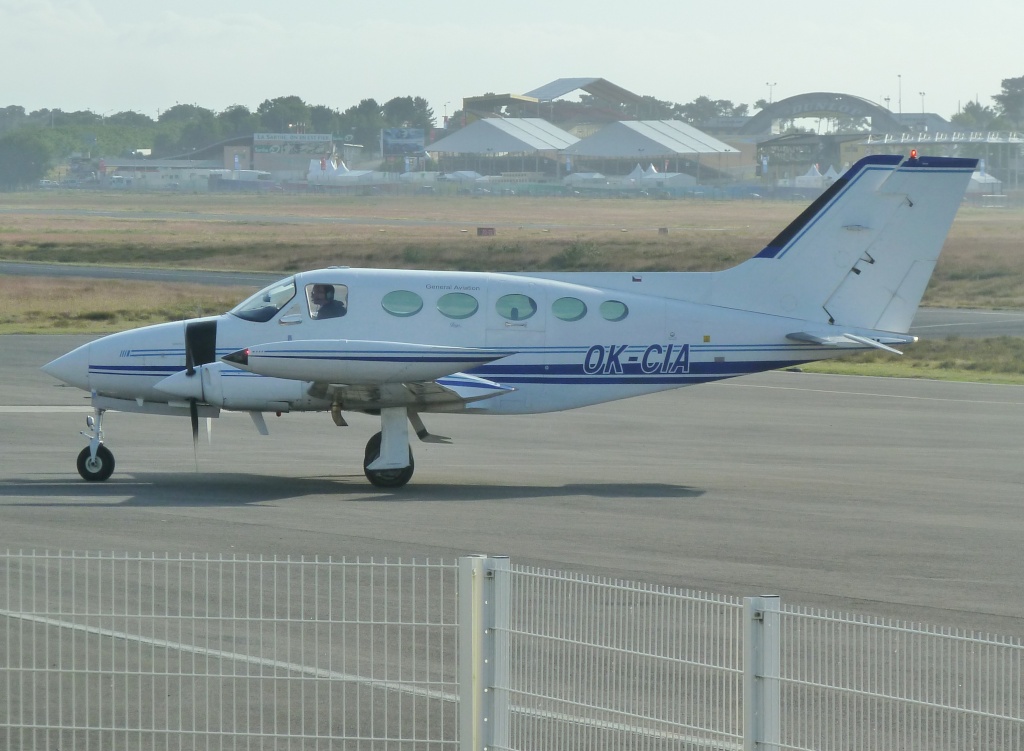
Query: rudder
[{"x": 862, "y": 254}]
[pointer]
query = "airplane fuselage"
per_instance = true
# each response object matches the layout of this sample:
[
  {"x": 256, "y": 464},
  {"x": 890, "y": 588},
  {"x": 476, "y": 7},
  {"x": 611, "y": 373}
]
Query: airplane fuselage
[{"x": 561, "y": 345}]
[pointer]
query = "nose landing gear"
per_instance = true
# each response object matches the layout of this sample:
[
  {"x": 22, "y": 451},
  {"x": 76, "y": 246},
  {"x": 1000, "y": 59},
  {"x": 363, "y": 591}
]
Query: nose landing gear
[{"x": 95, "y": 462}]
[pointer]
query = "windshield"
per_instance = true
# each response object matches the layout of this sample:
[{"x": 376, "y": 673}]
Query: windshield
[{"x": 266, "y": 303}]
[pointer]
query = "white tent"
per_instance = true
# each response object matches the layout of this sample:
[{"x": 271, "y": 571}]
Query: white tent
[
  {"x": 504, "y": 135},
  {"x": 649, "y": 138},
  {"x": 812, "y": 179}
]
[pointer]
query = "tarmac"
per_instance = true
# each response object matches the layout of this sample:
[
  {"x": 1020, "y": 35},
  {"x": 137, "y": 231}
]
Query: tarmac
[{"x": 888, "y": 497}]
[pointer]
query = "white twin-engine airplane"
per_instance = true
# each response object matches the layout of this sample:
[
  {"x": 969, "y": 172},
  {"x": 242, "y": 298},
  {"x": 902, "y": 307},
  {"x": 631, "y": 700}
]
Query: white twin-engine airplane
[{"x": 847, "y": 274}]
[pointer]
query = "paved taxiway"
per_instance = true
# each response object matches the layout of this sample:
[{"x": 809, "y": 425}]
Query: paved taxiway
[{"x": 891, "y": 497}]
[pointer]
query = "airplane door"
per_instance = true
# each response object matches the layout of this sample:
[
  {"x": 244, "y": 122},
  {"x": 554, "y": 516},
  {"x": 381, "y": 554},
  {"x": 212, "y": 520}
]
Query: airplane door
[{"x": 516, "y": 319}]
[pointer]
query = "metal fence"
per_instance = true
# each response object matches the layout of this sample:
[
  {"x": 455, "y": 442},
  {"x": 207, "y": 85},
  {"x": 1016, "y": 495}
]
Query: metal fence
[{"x": 105, "y": 651}]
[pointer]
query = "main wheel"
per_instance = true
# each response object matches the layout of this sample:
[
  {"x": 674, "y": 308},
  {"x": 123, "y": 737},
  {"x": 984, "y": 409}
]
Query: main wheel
[
  {"x": 98, "y": 469},
  {"x": 384, "y": 478}
]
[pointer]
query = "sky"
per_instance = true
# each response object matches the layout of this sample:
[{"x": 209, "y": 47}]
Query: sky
[{"x": 114, "y": 55}]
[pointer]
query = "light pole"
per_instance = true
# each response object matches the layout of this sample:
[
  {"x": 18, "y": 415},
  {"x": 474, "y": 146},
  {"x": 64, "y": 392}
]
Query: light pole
[
  {"x": 770, "y": 86},
  {"x": 922, "y": 101},
  {"x": 899, "y": 80}
]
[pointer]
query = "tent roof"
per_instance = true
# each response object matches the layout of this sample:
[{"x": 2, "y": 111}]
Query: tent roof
[
  {"x": 598, "y": 87},
  {"x": 510, "y": 135},
  {"x": 644, "y": 139}
]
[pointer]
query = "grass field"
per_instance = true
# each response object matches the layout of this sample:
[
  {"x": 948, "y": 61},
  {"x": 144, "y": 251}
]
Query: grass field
[{"x": 982, "y": 265}]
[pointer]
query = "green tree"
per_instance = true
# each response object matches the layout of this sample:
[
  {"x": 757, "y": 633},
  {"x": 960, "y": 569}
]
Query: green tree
[
  {"x": 11, "y": 117},
  {"x": 363, "y": 122},
  {"x": 1010, "y": 103},
  {"x": 323, "y": 119},
  {"x": 184, "y": 128},
  {"x": 184, "y": 113},
  {"x": 704, "y": 109},
  {"x": 974, "y": 116},
  {"x": 237, "y": 120},
  {"x": 130, "y": 119},
  {"x": 408, "y": 112},
  {"x": 653, "y": 109},
  {"x": 24, "y": 158},
  {"x": 285, "y": 114}
]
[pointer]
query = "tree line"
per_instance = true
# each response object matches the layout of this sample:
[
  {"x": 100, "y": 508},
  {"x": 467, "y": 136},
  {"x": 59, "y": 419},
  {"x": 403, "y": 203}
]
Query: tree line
[{"x": 31, "y": 141}]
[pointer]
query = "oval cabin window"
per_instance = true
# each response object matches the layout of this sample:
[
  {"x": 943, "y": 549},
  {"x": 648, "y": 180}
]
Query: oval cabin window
[
  {"x": 457, "y": 305},
  {"x": 402, "y": 303},
  {"x": 516, "y": 307}
]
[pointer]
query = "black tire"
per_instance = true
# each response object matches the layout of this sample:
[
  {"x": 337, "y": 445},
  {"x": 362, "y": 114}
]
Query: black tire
[
  {"x": 385, "y": 478},
  {"x": 98, "y": 470}
]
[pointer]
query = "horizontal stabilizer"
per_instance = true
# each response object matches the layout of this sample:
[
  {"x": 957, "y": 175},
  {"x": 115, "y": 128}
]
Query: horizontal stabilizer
[{"x": 876, "y": 339}]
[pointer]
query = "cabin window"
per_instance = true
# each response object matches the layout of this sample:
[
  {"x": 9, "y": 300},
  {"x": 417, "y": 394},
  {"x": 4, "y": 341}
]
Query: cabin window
[
  {"x": 402, "y": 303},
  {"x": 457, "y": 305},
  {"x": 326, "y": 300},
  {"x": 516, "y": 307},
  {"x": 569, "y": 309},
  {"x": 266, "y": 303},
  {"x": 613, "y": 310}
]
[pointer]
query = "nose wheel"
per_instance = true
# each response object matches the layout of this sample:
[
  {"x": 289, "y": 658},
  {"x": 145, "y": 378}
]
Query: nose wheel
[{"x": 95, "y": 468}]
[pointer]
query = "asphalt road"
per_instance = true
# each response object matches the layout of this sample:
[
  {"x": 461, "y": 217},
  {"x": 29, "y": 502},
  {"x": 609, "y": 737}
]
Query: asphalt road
[{"x": 888, "y": 497}]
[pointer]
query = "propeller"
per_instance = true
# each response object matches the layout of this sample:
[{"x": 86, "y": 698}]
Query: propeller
[
  {"x": 190, "y": 371},
  {"x": 200, "y": 349}
]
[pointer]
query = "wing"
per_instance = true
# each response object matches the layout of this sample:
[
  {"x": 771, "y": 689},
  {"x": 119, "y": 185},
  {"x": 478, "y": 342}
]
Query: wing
[{"x": 371, "y": 375}]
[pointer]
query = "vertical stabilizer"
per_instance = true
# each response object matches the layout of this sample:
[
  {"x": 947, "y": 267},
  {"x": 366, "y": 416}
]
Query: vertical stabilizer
[{"x": 861, "y": 255}]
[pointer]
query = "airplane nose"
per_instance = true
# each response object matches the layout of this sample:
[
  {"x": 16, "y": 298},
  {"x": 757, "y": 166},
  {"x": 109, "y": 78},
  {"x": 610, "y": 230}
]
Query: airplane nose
[{"x": 72, "y": 368}]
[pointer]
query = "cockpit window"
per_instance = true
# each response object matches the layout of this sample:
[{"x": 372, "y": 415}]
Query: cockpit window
[
  {"x": 266, "y": 303},
  {"x": 326, "y": 300}
]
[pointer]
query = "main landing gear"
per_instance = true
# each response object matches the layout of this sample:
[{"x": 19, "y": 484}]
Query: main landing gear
[
  {"x": 388, "y": 462},
  {"x": 95, "y": 463},
  {"x": 384, "y": 478}
]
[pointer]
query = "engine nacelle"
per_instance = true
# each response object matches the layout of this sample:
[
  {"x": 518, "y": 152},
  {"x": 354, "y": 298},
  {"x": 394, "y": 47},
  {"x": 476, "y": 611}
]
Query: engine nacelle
[
  {"x": 360, "y": 362},
  {"x": 230, "y": 388}
]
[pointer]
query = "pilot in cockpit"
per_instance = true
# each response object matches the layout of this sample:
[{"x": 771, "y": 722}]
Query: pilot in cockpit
[{"x": 323, "y": 302}]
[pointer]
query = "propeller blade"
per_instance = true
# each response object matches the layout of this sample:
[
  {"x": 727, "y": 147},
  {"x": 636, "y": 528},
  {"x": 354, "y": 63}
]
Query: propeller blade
[
  {"x": 193, "y": 413},
  {"x": 200, "y": 349},
  {"x": 190, "y": 360}
]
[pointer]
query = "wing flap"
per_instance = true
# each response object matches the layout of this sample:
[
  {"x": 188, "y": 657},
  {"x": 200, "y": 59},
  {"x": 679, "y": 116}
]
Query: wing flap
[
  {"x": 448, "y": 392},
  {"x": 877, "y": 339}
]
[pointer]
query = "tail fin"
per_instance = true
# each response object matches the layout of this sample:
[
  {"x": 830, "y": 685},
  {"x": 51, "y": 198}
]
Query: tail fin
[{"x": 861, "y": 255}]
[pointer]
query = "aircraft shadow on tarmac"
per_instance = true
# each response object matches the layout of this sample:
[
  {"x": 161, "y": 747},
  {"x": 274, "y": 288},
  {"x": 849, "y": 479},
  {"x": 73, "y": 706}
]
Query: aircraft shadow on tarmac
[{"x": 235, "y": 489}]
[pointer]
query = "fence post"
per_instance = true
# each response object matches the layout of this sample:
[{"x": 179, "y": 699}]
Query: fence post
[
  {"x": 761, "y": 698},
  {"x": 479, "y": 670}
]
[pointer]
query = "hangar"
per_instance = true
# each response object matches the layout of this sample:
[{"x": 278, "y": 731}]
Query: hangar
[
  {"x": 675, "y": 145},
  {"x": 502, "y": 144}
]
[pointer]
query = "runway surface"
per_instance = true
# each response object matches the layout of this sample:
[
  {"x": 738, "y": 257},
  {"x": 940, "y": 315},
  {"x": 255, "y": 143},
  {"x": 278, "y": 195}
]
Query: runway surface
[{"x": 888, "y": 497}]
